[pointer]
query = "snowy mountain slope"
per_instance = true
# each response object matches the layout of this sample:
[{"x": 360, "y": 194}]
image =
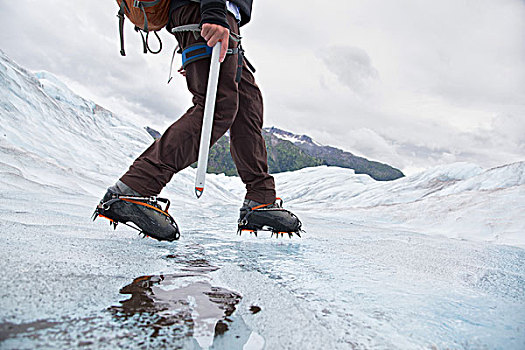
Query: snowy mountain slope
[
  {"x": 373, "y": 271},
  {"x": 51, "y": 125},
  {"x": 458, "y": 200},
  {"x": 47, "y": 120}
]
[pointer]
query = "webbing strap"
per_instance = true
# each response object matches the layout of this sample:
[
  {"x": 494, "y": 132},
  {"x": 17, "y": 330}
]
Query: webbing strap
[
  {"x": 142, "y": 5},
  {"x": 240, "y": 60},
  {"x": 199, "y": 51},
  {"x": 171, "y": 64},
  {"x": 195, "y": 52},
  {"x": 187, "y": 28},
  {"x": 145, "y": 44},
  {"x": 138, "y": 3},
  {"x": 144, "y": 201},
  {"x": 196, "y": 29},
  {"x": 121, "y": 17}
]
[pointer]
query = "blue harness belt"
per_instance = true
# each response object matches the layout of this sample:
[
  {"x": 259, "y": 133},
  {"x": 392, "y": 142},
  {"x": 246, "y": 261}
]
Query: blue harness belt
[
  {"x": 200, "y": 51},
  {"x": 194, "y": 53}
]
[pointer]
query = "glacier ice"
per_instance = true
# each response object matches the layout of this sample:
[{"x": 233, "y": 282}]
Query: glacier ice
[{"x": 433, "y": 260}]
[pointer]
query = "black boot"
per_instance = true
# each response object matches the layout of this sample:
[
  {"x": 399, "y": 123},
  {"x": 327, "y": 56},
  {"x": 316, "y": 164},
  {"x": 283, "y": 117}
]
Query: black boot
[
  {"x": 123, "y": 205},
  {"x": 256, "y": 216}
]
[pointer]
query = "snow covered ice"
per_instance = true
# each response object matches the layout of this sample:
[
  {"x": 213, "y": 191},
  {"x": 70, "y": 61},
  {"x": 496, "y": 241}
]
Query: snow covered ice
[{"x": 430, "y": 261}]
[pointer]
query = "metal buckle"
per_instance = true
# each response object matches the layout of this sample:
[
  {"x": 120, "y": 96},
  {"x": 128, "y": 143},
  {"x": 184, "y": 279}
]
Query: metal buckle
[{"x": 136, "y": 3}]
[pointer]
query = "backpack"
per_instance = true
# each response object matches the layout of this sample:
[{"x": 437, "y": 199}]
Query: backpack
[{"x": 147, "y": 16}]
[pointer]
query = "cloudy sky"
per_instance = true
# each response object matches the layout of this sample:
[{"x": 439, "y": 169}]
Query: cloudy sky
[{"x": 413, "y": 83}]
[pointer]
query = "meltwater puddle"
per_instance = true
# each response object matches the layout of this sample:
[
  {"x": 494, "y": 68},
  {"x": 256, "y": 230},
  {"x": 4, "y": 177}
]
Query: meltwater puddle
[{"x": 184, "y": 304}]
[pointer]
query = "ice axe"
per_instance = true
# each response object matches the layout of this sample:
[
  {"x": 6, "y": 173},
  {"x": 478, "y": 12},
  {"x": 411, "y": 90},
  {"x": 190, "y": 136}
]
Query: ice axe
[{"x": 207, "y": 122}]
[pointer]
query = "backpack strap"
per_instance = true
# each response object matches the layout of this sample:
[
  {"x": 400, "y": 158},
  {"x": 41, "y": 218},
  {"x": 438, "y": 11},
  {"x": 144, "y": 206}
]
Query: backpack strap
[
  {"x": 120, "y": 15},
  {"x": 145, "y": 45}
]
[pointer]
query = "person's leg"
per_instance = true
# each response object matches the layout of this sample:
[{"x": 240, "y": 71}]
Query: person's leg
[
  {"x": 247, "y": 144},
  {"x": 178, "y": 147},
  {"x": 260, "y": 209}
]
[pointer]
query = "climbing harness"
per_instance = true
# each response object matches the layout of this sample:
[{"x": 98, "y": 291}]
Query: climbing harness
[{"x": 201, "y": 50}]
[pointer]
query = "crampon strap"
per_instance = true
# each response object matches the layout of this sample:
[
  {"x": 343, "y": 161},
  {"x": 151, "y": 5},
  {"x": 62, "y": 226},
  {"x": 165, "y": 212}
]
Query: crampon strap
[
  {"x": 144, "y": 201},
  {"x": 280, "y": 205}
]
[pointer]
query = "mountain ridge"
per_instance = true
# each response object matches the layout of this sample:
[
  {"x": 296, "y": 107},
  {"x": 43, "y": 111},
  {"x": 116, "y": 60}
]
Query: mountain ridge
[
  {"x": 333, "y": 156},
  {"x": 289, "y": 152}
]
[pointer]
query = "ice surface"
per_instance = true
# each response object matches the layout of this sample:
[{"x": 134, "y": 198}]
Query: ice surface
[{"x": 429, "y": 261}]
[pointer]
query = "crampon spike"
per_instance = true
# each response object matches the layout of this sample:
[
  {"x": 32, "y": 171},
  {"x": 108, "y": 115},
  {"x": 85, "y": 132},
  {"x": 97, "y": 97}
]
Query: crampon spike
[
  {"x": 241, "y": 230},
  {"x": 290, "y": 234}
]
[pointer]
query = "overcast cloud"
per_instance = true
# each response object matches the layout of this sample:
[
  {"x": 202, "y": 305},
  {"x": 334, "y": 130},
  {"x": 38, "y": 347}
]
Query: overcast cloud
[
  {"x": 352, "y": 66},
  {"x": 408, "y": 82}
]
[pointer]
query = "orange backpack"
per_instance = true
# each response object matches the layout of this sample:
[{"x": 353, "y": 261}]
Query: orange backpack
[{"x": 147, "y": 16}]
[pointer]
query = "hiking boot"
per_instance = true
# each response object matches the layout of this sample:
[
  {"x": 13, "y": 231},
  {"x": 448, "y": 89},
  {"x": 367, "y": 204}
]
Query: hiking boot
[
  {"x": 257, "y": 216},
  {"x": 123, "y": 205}
]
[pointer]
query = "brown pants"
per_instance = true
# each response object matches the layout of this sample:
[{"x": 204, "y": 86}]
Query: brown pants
[{"x": 239, "y": 108}]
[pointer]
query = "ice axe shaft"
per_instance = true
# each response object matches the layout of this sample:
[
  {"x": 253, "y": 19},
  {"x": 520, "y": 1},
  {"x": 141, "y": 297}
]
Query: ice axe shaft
[{"x": 207, "y": 122}]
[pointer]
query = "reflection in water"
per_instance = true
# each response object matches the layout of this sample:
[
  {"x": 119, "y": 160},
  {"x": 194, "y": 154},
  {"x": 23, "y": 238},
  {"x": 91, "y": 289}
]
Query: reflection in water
[{"x": 179, "y": 305}]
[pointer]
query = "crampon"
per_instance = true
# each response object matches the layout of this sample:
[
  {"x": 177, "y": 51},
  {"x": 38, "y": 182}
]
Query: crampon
[
  {"x": 270, "y": 217},
  {"x": 143, "y": 214}
]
